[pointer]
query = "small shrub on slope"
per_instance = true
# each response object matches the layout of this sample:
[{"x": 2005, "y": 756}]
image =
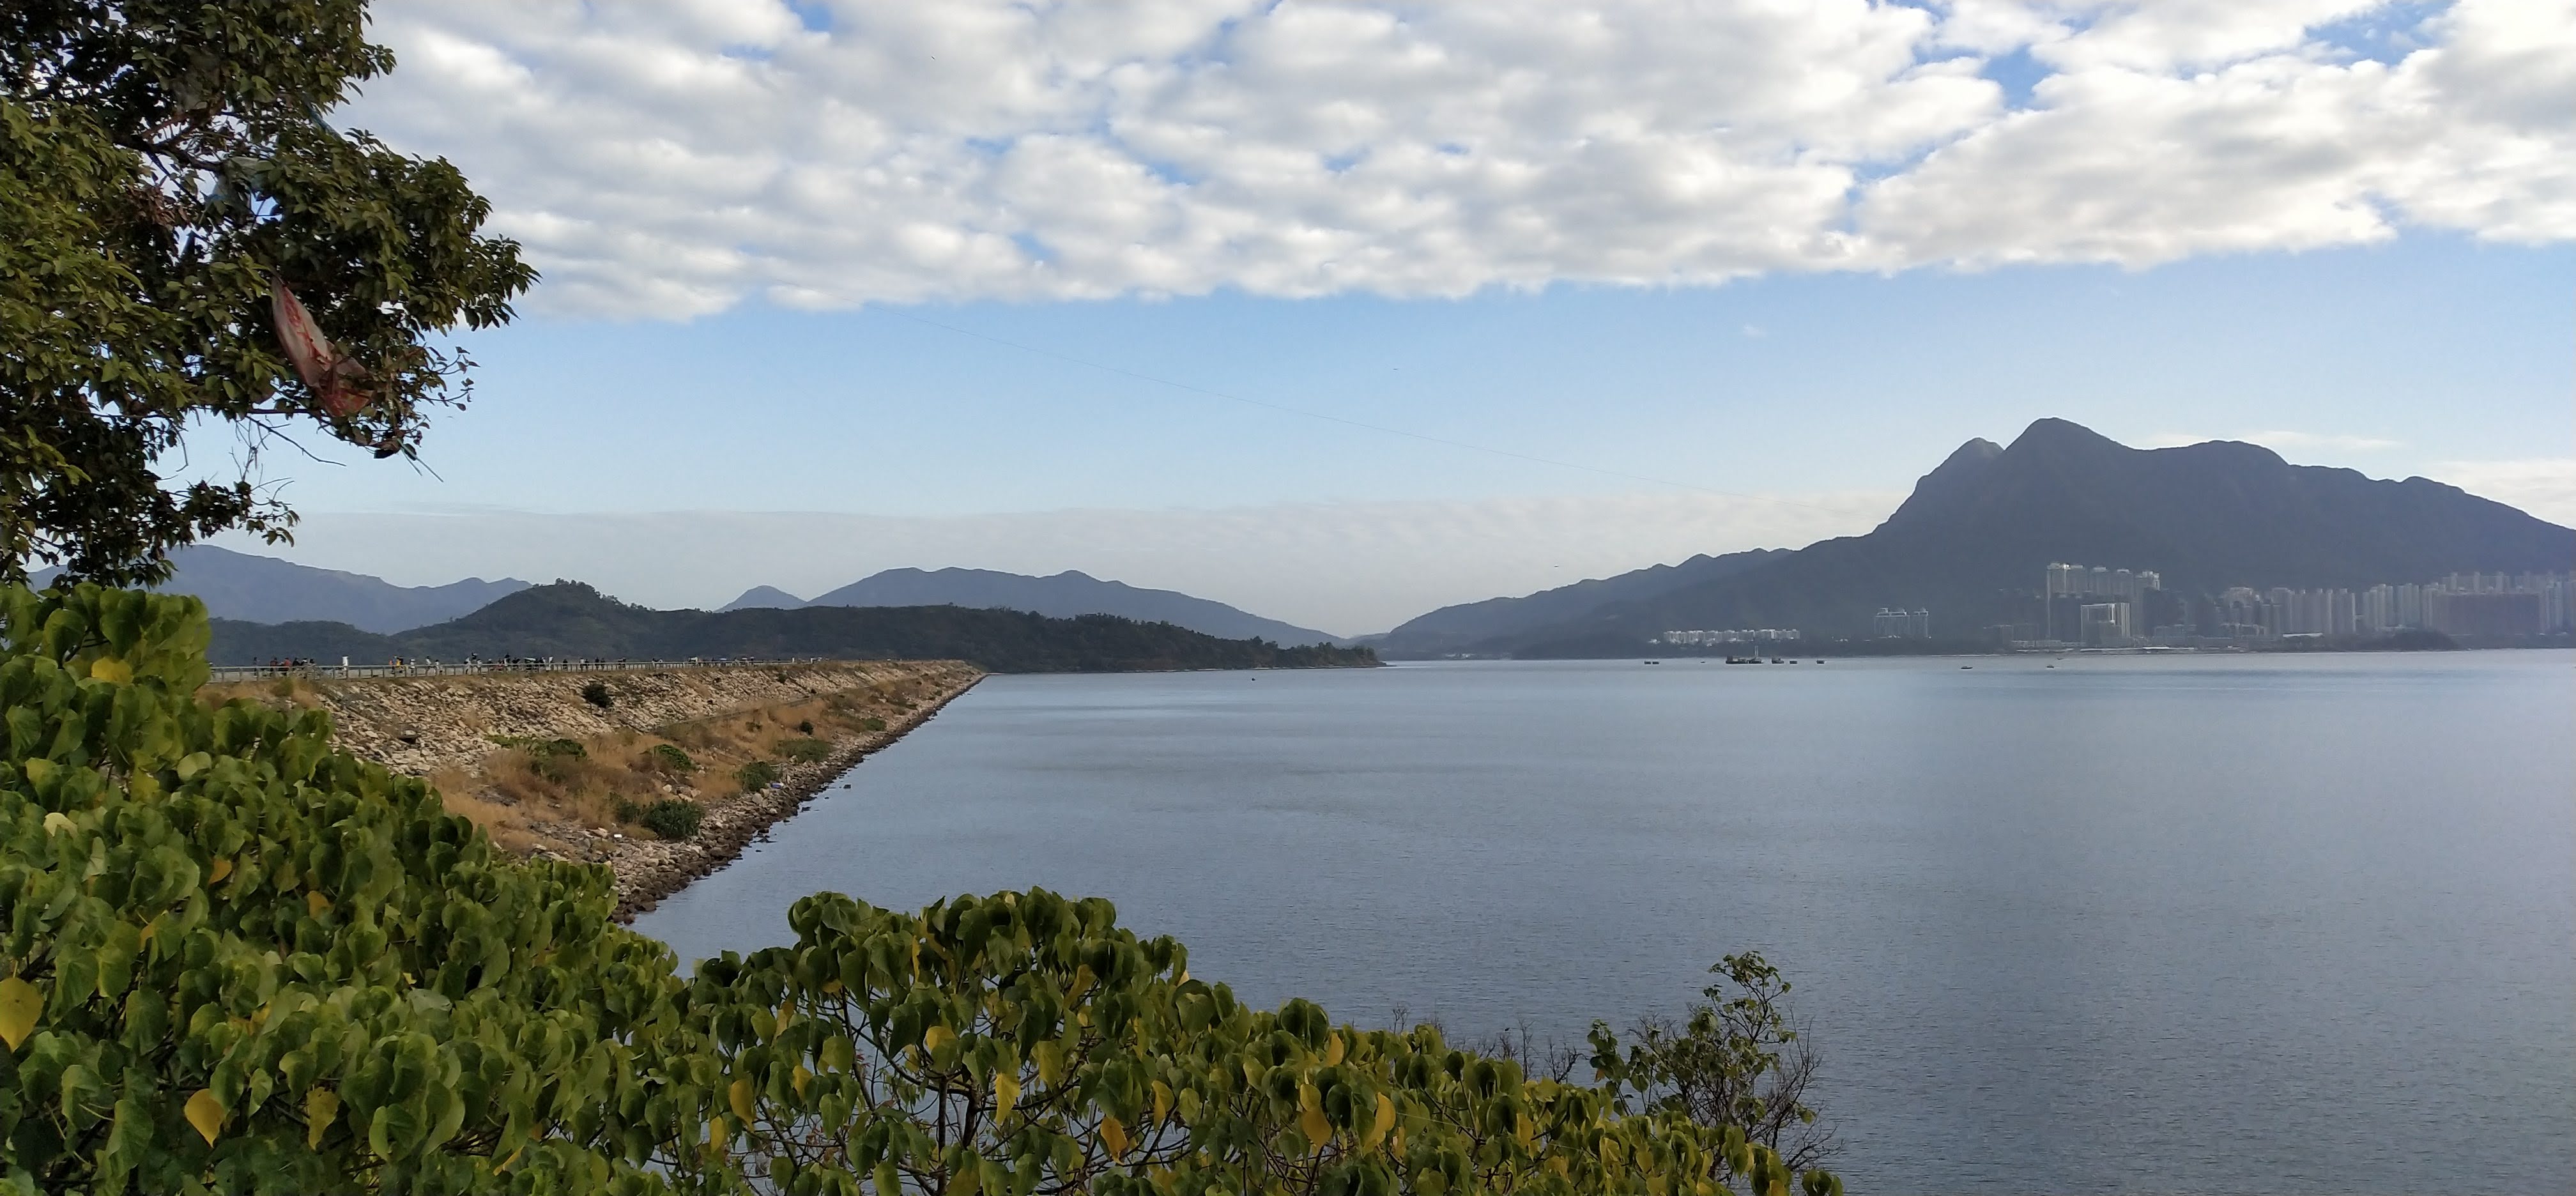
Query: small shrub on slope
[
  {"x": 755, "y": 776},
  {"x": 804, "y": 751},
  {"x": 672, "y": 818},
  {"x": 667, "y": 757}
]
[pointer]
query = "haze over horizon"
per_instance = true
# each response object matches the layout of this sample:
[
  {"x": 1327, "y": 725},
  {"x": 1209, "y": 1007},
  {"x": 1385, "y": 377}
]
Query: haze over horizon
[{"x": 1338, "y": 313}]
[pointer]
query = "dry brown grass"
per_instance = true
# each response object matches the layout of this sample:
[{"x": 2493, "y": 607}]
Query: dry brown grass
[
  {"x": 281, "y": 693},
  {"x": 529, "y": 795}
]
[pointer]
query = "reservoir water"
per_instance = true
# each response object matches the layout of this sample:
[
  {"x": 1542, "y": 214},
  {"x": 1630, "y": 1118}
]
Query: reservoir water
[{"x": 2127, "y": 924}]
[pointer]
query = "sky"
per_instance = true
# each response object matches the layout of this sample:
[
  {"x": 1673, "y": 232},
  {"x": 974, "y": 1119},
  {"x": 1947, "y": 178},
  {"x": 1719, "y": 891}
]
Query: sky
[{"x": 1340, "y": 312}]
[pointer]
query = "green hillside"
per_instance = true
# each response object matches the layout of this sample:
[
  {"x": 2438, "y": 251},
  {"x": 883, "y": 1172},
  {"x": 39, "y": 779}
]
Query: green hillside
[{"x": 568, "y": 619}]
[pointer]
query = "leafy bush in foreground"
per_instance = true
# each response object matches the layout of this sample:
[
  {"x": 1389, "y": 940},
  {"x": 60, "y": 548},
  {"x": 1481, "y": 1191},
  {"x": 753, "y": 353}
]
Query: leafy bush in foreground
[
  {"x": 238, "y": 961},
  {"x": 756, "y": 775},
  {"x": 1024, "y": 1042}
]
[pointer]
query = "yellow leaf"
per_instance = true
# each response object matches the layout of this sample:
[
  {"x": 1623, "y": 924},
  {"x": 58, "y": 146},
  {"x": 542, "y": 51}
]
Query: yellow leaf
[
  {"x": 316, "y": 903},
  {"x": 718, "y": 1133},
  {"x": 937, "y": 1037},
  {"x": 799, "y": 1078},
  {"x": 215, "y": 875},
  {"x": 1318, "y": 1130},
  {"x": 19, "y": 1005},
  {"x": 57, "y": 822},
  {"x": 1384, "y": 1121},
  {"x": 1006, "y": 1093},
  {"x": 739, "y": 1096},
  {"x": 1115, "y": 1135},
  {"x": 1526, "y": 1131},
  {"x": 1082, "y": 981},
  {"x": 321, "y": 1106},
  {"x": 1162, "y": 1102},
  {"x": 109, "y": 668},
  {"x": 205, "y": 1114}
]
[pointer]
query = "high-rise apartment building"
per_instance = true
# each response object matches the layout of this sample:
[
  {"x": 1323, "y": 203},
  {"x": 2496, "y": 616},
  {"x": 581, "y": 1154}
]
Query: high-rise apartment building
[
  {"x": 2478, "y": 605},
  {"x": 2106, "y": 625},
  {"x": 1900, "y": 623}
]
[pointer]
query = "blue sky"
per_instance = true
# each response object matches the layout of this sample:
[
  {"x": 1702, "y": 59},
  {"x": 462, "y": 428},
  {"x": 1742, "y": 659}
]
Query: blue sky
[
  {"x": 856, "y": 284},
  {"x": 2432, "y": 356},
  {"x": 2394, "y": 359}
]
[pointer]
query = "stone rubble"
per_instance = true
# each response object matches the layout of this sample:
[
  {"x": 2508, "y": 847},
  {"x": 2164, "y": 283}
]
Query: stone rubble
[
  {"x": 649, "y": 870},
  {"x": 420, "y": 725}
]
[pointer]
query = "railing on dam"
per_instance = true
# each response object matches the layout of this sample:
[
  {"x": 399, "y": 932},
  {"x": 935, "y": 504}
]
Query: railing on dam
[{"x": 480, "y": 667}]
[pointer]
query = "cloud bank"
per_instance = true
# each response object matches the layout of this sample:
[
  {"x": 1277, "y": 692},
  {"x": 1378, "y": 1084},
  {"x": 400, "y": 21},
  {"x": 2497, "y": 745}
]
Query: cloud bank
[
  {"x": 2544, "y": 486},
  {"x": 677, "y": 158}
]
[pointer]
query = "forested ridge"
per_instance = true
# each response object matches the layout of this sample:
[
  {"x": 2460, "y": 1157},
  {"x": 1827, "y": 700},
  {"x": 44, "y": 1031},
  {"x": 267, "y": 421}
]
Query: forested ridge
[{"x": 568, "y": 619}]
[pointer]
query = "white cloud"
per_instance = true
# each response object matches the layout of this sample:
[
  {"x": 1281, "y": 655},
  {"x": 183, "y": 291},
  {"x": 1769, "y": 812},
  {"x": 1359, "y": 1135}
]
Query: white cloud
[
  {"x": 2174, "y": 129},
  {"x": 1347, "y": 568},
  {"x": 2543, "y": 486},
  {"x": 675, "y": 159}
]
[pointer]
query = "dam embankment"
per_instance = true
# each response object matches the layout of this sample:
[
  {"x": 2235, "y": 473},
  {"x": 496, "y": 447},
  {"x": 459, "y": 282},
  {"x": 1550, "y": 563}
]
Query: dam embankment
[{"x": 573, "y": 765}]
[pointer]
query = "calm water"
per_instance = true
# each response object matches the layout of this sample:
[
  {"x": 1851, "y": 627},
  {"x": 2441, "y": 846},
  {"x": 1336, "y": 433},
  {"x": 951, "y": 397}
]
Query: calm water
[{"x": 2124, "y": 925}]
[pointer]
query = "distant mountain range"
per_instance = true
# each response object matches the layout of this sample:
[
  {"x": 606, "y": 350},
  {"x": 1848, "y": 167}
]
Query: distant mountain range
[
  {"x": 1982, "y": 528},
  {"x": 1976, "y": 534},
  {"x": 568, "y": 619},
  {"x": 1062, "y": 596},
  {"x": 1466, "y": 627},
  {"x": 259, "y": 589}
]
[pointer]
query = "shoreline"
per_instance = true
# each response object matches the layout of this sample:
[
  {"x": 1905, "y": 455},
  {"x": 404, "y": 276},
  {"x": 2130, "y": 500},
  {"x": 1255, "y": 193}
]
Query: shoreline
[{"x": 650, "y": 871}]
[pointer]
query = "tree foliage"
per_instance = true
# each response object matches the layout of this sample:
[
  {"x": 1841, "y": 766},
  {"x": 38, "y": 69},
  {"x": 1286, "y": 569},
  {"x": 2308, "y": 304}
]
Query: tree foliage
[
  {"x": 237, "y": 960},
  {"x": 236, "y": 957},
  {"x": 1734, "y": 1061},
  {"x": 1025, "y": 1043},
  {"x": 570, "y": 619},
  {"x": 170, "y": 195}
]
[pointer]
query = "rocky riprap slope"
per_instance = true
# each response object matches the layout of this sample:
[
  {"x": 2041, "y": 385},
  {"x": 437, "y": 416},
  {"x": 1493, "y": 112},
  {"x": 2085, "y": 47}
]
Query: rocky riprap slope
[
  {"x": 418, "y": 724},
  {"x": 421, "y": 725}
]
